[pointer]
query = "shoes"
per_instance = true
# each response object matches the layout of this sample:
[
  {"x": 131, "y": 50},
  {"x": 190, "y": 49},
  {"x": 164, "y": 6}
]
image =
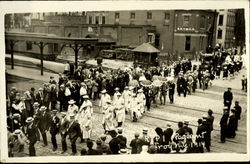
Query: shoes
[
  {"x": 54, "y": 149},
  {"x": 44, "y": 145},
  {"x": 222, "y": 141},
  {"x": 63, "y": 152}
]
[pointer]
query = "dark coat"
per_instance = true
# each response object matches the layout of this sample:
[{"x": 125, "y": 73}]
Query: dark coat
[
  {"x": 168, "y": 135},
  {"x": 93, "y": 152},
  {"x": 63, "y": 125},
  {"x": 223, "y": 121},
  {"x": 188, "y": 130},
  {"x": 210, "y": 120},
  {"x": 122, "y": 139},
  {"x": 43, "y": 121},
  {"x": 199, "y": 133},
  {"x": 74, "y": 130},
  {"x": 32, "y": 133},
  {"x": 232, "y": 123},
  {"x": 134, "y": 144},
  {"x": 171, "y": 88},
  {"x": 55, "y": 125},
  {"x": 237, "y": 111},
  {"x": 39, "y": 98},
  {"x": 114, "y": 145},
  {"x": 228, "y": 96}
]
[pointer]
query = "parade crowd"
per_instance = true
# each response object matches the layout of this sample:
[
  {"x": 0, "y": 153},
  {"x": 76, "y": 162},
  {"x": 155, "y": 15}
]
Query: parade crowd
[{"x": 65, "y": 107}]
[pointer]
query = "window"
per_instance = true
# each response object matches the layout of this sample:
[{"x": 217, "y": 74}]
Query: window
[
  {"x": 55, "y": 46},
  {"x": 117, "y": 15},
  {"x": 149, "y": 15},
  {"x": 186, "y": 20},
  {"x": 220, "y": 19},
  {"x": 219, "y": 36},
  {"x": 188, "y": 43},
  {"x": 96, "y": 19},
  {"x": 167, "y": 16},
  {"x": 103, "y": 19},
  {"x": 90, "y": 19},
  {"x": 151, "y": 37},
  {"x": 132, "y": 15},
  {"x": 28, "y": 45},
  {"x": 202, "y": 22}
]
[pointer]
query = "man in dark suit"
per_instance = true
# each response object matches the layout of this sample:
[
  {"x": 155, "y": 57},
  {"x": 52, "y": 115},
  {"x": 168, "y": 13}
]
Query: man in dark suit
[
  {"x": 200, "y": 136},
  {"x": 74, "y": 131},
  {"x": 238, "y": 110},
  {"x": 32, "y": 134},
  {"x": 171, "y": 91},
  {"x": 121, "y": 137},
  {"x": 114, "y": 143},
  {"x": 228, "y": 97},
  {"x": 54, "y": 128},
  {"x": 144, "y": 140},
  {"x": 231, "y": 125},
  {"x": 63, "y": 131},
  {"x": 134, "y": 144},
  {"x": 223, "y": 126},
  {"x": 207, "y": 134},
  {"x": 43, "y": 123},
  {"x": 181, "y": 85},
  {"x": 210, "y": 120},
  {"x": 178, "y": 138}
]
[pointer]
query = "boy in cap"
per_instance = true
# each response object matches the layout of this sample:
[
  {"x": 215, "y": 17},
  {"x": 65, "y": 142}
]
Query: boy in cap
[
  {"x": 114, "y": 143},
  {"x": 231, "y": 127},
  {"x": 200, "y": 135},
  {"x": 54, "y": 128},
  {"x": 228, "y": 97},
  {"x": 120, "y": 136},
  {"x": 238, "y": 110},
  {"x": 33, "y": 135}
]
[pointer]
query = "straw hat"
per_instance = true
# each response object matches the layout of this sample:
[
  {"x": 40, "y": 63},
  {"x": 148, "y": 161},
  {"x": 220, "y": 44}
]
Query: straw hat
[
  {"x": 29, "y": 119},
  {"x": 71, "y": 101}
]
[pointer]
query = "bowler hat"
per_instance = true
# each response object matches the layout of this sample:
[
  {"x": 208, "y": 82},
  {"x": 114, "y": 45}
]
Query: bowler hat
[{"x": 17, "y": 131}]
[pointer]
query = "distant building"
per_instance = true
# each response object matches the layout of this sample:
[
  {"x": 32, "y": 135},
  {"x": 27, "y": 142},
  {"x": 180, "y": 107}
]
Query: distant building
[{"x": 225, "y": 36}]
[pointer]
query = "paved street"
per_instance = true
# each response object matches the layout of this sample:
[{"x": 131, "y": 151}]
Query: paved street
[{"x": 190, "y": 108}]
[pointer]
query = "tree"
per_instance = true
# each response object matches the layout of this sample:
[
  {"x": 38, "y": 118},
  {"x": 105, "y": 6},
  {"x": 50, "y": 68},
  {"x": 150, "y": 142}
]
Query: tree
[{"x": 240, "y": 28}]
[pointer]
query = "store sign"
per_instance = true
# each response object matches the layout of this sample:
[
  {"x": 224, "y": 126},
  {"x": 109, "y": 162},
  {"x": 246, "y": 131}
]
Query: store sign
[{"x": 185, "y": 28}]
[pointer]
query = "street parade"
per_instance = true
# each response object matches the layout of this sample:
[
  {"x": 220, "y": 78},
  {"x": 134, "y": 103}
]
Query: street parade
[{"x": 66, "y": 108}]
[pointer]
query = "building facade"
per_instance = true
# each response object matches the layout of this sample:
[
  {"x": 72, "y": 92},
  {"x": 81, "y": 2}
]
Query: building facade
[
  {"x": 225, "y": 35},
  {"x": 181, "y": 32}
]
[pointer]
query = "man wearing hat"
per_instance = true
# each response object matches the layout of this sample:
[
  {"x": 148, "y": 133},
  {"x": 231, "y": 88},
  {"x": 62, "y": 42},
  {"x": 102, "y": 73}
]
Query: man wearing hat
[
  {"x": 64, "y": 122},
  {"x": 223, "y": 126},
  {"x": 42, "y": 120},
  {"x": 104, "y": 98},
  {"x": 36, "y": 107},
  {"x": 181, "y": 85},
  {"x": 83, "y": 91},
  {"x": 72, "y": 108},
  {"x": 62, "y": 98},
  {"x": 16, "y": 143},
  {"x": 32, "y": 134},
  {"x": 54, "y": 128},
  {"x": 134, "y": 144},
  {"x": 118, "y": 104},
  {"x": 207, "y": 134},
  {"x": 114, "y": 143},
  {"x": 144, "y": 140},
  {"x": 74, "y": 131},
  {"x": 168, "y": 136},
  {"x": 163, "y": 92},
  {"x": 210, "y": 120},
  {"x": 231, "y": 127},
  {"x": 120, "y": 136},
  {"x": 228, "y": 97}
]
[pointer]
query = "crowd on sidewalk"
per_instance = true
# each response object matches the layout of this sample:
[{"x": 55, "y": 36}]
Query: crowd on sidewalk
[{"x": 120, "y": 92}]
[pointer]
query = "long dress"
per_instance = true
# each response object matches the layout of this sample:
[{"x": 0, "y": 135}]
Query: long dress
[{"x": 109, "y": 125}]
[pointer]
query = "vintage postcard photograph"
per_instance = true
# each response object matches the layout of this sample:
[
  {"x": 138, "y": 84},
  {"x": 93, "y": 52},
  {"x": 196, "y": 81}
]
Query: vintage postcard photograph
[{"x": 155, "y": 81}]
